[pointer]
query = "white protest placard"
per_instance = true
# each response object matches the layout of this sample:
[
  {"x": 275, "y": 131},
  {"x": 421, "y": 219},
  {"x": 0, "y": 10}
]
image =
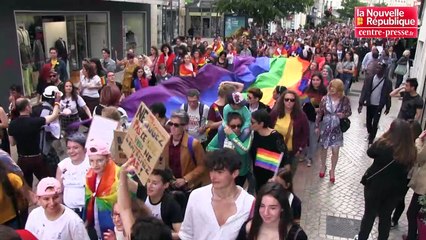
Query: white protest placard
[
  {"x": 102, "y": 129},
  {"x": 145, "y": 141}
]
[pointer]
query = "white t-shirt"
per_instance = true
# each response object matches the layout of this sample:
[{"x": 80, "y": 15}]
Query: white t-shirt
[
  {"x": 200, "y": 220},
  {"x": 85, "y": 83},
  {"x": 194, "y": 122},
  {"x": 69, "y": 226},
  {"x": 69, "y": 103},
  {"x": 155, "y": 208},
  {"x": 74, "y": 180}
]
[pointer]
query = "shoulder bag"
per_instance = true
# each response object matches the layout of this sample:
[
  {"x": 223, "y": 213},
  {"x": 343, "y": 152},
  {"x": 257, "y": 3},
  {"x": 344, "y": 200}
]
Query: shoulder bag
[{"x": 367, "y": 179}]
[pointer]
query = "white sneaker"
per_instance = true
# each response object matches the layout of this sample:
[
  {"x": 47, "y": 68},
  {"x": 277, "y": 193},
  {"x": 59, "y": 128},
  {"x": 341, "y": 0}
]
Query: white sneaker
[
  {"x": 309, "y": 163},
  {"x": 356, "y": 237}
]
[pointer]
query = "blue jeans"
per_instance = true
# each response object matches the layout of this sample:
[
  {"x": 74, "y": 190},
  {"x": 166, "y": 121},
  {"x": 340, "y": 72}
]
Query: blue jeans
[{"x": 347, "y": 79}]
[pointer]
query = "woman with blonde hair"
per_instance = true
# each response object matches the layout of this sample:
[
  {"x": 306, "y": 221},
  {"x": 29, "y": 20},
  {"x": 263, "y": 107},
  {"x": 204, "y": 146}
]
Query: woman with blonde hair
[{"x": 333, "y": 107}]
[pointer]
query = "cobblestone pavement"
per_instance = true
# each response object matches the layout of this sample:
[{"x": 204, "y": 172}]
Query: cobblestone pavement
[{"x": 334, "y": 211}]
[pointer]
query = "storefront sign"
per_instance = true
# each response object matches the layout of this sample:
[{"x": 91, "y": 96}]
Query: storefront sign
[
  {"x": 386, "y": 22},
  {"x": 233, "y": 24},
  {"x": 145, "y": 141}
]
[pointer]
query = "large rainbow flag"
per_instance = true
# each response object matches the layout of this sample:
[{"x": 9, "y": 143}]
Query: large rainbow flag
[{"x": 264, "y": 73}]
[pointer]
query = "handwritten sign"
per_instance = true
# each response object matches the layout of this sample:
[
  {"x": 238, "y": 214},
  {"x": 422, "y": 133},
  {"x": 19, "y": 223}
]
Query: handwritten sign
[
  {"x": 102, "y": 128},
  {"x": 145, "y": 141},
  {"x": 117, "y": 152}
]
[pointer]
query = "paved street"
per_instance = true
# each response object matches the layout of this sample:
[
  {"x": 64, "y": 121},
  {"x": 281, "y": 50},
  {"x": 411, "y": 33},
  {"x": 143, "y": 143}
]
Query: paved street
[{"x": 334, "y": 211}]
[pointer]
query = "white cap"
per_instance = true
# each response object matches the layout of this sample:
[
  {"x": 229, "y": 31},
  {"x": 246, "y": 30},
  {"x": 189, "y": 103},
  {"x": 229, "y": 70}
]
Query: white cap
[{"x": 50, "y": 91}]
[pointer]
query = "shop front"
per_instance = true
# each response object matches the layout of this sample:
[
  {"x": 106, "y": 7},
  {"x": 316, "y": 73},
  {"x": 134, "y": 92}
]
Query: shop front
[{"x": 77, "y": 29}]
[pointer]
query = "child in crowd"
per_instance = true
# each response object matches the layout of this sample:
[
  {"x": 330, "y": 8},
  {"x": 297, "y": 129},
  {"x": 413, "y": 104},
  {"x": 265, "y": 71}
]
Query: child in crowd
[{"x": 236, "y": 103}]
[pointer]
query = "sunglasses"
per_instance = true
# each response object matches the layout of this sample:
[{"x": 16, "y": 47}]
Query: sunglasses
[
  {"x": 176, "y": 125},
  {"x": 289, "y": 99},
  {"x": 52, "y": 76},
  {"x": 235, "y": 126}
]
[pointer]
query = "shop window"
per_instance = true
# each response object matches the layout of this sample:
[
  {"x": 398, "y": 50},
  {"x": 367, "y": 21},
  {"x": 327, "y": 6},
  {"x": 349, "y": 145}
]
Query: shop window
[
  {"x": 72, "y": 34},
  {"x": 134, "y": 36}
]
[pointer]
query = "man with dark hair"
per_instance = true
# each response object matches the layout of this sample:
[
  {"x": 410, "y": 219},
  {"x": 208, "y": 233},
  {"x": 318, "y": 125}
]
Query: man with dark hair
[
  {"x": 24, "y": 132},
  {"x": 57, "y": 64},
  {"x": 161, "y": 203},
  {"x": 412, "y": 103},
  {"x": 148, "y": 228},
  {"x": 197, "y": 113},
  {"x": 375, "y": 95},
  {"x": 198, "y": 46},
  {"x": 159, "y": 111},
  {"x": 108, "y": 64},
  {"x": 223, "y": 202},
  {"x": 254, "y": 95},
  {"x": 372, "y": 65}
]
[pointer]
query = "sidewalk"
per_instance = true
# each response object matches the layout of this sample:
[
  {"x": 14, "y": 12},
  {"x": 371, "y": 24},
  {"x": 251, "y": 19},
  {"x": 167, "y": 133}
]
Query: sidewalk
[{"x": 335, "y": 211}]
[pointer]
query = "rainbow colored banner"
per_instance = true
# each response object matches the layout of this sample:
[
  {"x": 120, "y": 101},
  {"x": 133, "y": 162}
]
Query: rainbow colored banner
[
  {"x": 267, "y": 159},
  {"x": 264, "y": 73}
]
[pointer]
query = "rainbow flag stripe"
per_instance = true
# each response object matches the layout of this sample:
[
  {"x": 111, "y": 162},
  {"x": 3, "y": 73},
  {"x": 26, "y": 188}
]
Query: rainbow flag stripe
[{"x": 267, "y": 159}]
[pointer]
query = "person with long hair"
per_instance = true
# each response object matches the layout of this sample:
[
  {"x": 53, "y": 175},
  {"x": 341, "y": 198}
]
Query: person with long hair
[
  {"x": 129, "y": 69},
  {"x": 333, "y": 107},
  {"x": 385, "y": 180},
  {"x": 11, "y": 188},
  {"x": 346, "y": 71},
  {"x": 285, "y": 179},
  {"x": 265, "y": 139},
  {"x": 315, "y": 92},
  {"x": 222, "y": 60},
  {"x": 154, "y": 57},
  {"x": 331, "y": 60},
  {"x": 187, "y": 68},
  {"x": 167, "y": 57},
  {"x": 313, "y": 67},
  {"x": 90, "y": 85},
  {"x": 272, "y": 217},
  {"x": 69, "y": 105},
  {"x": 327, "y": 74},
  {"x": 198, "y": 60},
  {"x": 96, "y": 63},
  {"x": 292, "y": 123},
  {"x": 140, "y": 79}
]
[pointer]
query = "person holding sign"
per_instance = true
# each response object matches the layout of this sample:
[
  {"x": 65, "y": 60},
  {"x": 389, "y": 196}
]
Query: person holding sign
[
  {"x": 268, "y": 144},
  {"x": 184, "y": 155},
  {"x": 101, "y": 188}
]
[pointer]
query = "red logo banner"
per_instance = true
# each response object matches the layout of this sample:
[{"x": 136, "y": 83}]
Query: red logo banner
[{"x": 386, "y": 22}]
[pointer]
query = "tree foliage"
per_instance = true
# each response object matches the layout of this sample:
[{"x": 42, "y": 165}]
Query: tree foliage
[
  {"x": 263, "y": 11},
  {"x": 347, "y": 12}
]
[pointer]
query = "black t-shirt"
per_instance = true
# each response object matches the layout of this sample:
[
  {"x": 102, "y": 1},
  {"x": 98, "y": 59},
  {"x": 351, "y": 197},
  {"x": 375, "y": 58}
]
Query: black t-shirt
[
  {"x": 171, "y": 212},
  {"x": 296, "y": 207},
  {"x": 409, "y": 106},
  {"x": 26, "y": 132}
]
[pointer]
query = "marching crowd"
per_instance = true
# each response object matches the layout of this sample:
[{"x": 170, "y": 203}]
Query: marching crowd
[{"x": 227, "y": 171}]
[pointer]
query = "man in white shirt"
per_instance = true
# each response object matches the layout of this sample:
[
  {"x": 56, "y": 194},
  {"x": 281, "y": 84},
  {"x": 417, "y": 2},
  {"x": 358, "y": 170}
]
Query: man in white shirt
[
  {"x": 225, "y": 206},
  {"x": 52, "y": 220},
  {"x": 197, "y": 113}
]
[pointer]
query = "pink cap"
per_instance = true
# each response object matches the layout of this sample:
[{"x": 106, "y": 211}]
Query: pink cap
[
  {"x": 45, "y": 184},
  {"x": 96, "y": 147}
]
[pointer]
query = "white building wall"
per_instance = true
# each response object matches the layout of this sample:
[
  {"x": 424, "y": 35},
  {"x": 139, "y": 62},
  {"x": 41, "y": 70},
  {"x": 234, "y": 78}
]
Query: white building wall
[{"x": 419, "y": 65}]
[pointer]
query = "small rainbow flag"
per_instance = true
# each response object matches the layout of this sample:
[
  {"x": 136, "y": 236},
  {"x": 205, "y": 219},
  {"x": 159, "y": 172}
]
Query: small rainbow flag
[
  {"x": 267, "y": 159},
  {"x": 216, "y": 109}
]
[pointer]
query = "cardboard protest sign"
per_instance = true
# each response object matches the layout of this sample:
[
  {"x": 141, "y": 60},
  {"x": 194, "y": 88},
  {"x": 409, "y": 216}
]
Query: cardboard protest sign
[
  {"x": 103, "y": 129},
  {"x": 145, "y": 141},
  {"x": 117, "y": 152}
]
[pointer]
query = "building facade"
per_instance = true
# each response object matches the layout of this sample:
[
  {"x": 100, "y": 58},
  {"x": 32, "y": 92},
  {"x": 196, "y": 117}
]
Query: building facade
[{"x": 80, "y": 29}]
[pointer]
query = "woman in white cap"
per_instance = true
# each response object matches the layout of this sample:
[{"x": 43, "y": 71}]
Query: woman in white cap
[
  {"x": 101, "y": 188},
  {"x": 52, "y": 220}
]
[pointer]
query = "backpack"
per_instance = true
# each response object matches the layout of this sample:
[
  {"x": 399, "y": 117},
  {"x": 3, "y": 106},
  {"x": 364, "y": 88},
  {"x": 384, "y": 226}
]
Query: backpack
[
  {"x": 200, "y": 110},
  {"x": 191, "y": 149}
]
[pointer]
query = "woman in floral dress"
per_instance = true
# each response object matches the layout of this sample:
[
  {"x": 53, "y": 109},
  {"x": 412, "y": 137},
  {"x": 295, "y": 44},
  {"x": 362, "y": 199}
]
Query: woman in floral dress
[{"x": 333, "y": 107}]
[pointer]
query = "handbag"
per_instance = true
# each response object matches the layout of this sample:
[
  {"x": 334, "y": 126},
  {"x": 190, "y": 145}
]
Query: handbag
[
  {"x": 345, "y": 124},
  {"x": 367, "y": 179},
  {"x": 401, "y": 69}
]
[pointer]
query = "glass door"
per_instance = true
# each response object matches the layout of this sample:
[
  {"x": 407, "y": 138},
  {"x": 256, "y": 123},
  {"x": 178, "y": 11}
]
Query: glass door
[{"x": 77, "y": 40}]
